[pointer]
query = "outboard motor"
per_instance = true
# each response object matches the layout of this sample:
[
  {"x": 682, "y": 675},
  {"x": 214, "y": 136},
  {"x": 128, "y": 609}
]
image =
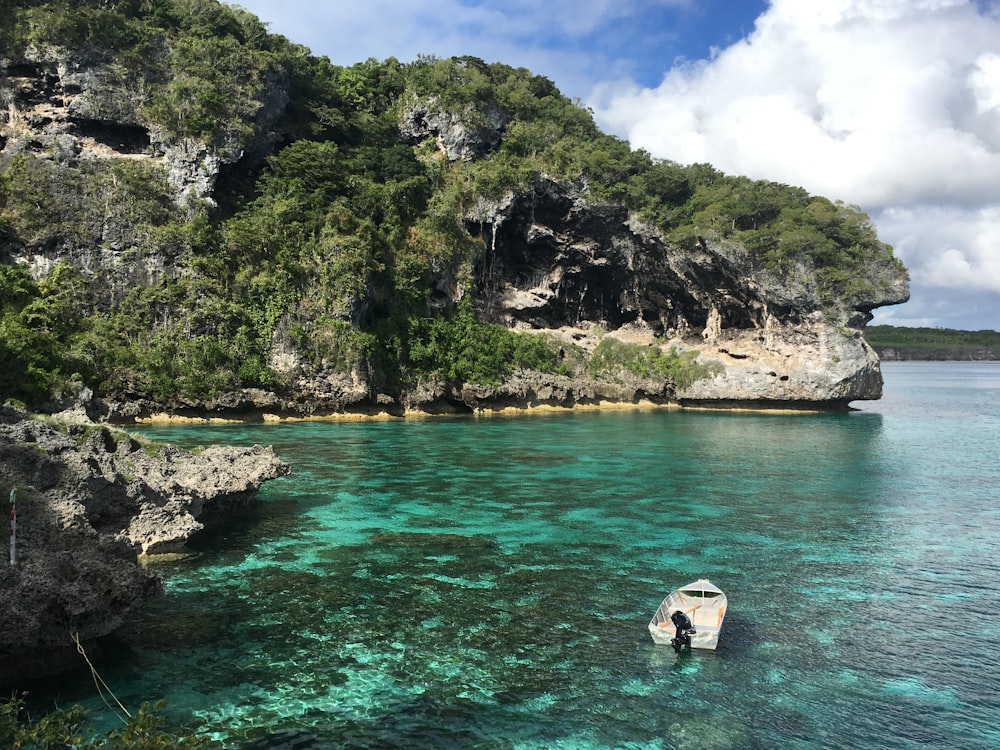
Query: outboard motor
[{"x": 684, "y": 630}]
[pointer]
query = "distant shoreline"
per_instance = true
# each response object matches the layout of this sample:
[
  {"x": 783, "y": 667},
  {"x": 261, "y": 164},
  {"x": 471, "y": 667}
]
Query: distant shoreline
[
  {"x": 897, "y": 344},
  {"x": 936, "y": 354}
]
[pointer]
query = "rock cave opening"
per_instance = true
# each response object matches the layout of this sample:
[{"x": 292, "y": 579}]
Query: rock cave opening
[{"x": 124, "y": 139}]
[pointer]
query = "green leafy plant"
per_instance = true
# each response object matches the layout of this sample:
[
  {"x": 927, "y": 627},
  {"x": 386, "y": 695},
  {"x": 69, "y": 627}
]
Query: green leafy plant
[
  {"x": 931, "y": 338},
  {"x": 458, "y": 348},
  {"x": 66, "y": 729},
  {"x": 613, "y": 358}
]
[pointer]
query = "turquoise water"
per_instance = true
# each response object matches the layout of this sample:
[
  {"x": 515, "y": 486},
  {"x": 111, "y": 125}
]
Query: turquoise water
[{"x": 486, "y": 582}]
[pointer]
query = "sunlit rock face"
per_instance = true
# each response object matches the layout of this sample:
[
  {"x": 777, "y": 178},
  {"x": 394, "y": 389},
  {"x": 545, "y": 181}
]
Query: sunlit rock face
[
  {"x": 458, "y": 134},
  {"x": 552, "y": 261}
]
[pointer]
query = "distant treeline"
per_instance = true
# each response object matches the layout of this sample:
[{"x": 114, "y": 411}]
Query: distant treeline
[
  {"x": 896, "y": 342},
  {"x": 930, "y": 337}
]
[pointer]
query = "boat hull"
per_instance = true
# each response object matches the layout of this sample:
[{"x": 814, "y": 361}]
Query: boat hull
[{"x": 662, "y": 636}]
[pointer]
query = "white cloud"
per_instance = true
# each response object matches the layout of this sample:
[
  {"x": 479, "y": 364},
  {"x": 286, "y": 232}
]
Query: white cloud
[
  {"x": 890, "y": 104},
  {"x": 966, "y": 242}
]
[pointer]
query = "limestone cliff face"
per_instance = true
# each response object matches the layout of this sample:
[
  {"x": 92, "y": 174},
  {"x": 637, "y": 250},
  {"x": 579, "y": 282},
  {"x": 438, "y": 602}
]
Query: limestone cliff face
[
  {"x": 77, "y": 117},
  {"x": 57, "y": 103},
  {"x": 459, "y": 135},
  {"x": 88, "y": 501},
  {"x": 554, "y": 262}
]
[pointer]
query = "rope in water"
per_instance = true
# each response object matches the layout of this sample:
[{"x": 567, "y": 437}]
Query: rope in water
[{"x": 99, "y": 682}]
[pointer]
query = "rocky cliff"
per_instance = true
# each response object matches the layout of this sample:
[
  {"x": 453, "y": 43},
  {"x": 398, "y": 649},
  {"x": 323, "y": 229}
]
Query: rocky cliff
[
  {"x": 88, "y": 501},
  {"x": 81, "y": 124},
  {"x": 299, "y": 296},
  {"x": 554, "y": 262}
]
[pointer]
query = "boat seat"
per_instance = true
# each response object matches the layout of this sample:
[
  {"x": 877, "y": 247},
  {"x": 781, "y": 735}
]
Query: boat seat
[{"x": 709, "y": 618}]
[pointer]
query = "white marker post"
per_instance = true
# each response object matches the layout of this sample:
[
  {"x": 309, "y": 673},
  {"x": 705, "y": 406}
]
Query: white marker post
[{"x": 13, "y": 527}]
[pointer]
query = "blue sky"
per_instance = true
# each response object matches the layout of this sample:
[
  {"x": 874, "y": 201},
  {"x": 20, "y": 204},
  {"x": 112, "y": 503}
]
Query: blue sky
[{"x": 892, "y": 105}]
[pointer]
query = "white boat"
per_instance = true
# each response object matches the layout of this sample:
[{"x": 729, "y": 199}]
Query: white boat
[{"x": 703, "y": 603}]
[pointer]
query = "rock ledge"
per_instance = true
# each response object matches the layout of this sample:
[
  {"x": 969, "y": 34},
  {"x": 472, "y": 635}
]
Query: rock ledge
[{"x": 89, "y": 501}]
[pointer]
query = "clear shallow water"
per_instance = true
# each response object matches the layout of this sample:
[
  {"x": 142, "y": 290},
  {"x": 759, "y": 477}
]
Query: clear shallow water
[{"x": 486, "y": 583}]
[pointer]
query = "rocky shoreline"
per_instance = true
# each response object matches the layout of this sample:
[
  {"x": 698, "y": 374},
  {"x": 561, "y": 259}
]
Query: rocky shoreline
[
  {"x": 549, "y": 257},
  {"x": 90, "y": 502},
  {"x": 810, "y": 371}
]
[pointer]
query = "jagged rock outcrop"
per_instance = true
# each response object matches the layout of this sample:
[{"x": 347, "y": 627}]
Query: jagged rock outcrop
[
  {"x": 813, "y": 363},
  {"x": 88, "y": 501},
  {"x": 464, "y": 134},
  {"x": 553, "y": 260},
  {"x": 59, "y": 100}
]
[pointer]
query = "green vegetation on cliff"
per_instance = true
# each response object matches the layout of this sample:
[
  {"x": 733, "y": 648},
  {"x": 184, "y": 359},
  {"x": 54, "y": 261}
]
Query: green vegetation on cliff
[
  {"x": 200, "y": 64},
  {"x": 612, "y": 357},
  {"x": 338, "y": 239}
]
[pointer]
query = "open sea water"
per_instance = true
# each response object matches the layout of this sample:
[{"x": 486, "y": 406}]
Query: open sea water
[{"x": 487, "y": 582}]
